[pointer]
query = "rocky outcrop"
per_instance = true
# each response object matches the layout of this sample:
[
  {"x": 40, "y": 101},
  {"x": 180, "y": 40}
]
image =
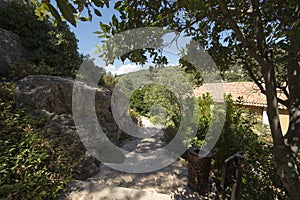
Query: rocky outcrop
[
  {"x": 11, "y": 50},
  {"x": 52, "y": 97}
]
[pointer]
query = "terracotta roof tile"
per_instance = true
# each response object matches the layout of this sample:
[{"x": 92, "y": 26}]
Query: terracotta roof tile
[{"x": 247, "y": 90}]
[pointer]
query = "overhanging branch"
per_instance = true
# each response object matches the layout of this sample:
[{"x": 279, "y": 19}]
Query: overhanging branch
[{"x": 245, "y": 42}]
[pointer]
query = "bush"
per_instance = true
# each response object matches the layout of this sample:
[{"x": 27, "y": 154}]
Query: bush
[
  {"x": 155, "y": 101},
  {"x": 49, "y": 46},
  {"x": 138, "y": 102},
  {"x": 260, "y": 179},
  {"x": 204, "y": 103},
  {"x": 33, "y": 165},
  {"x": 160, "y": 105}
]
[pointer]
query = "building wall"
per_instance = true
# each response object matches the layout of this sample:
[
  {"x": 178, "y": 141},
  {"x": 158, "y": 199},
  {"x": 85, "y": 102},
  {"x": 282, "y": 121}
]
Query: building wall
[
  {"x": 284, "y": 120},
  {"x": 283, "y": 116}
]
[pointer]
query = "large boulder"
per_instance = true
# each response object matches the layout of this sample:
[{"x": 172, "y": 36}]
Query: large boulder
[
  {"x": 53, "y": 94},
  {"x": 52, "y": 97},
  {"x": 11, "y": 50}
]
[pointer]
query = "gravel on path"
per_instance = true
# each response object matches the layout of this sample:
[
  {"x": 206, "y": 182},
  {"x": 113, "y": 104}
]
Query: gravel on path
[{"x": 171, "y": 180}]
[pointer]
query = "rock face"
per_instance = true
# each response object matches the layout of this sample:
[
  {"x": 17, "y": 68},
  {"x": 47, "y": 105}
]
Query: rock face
[
  {"x": 11, "y": 50},
  {"x": 52, "y": 96}
]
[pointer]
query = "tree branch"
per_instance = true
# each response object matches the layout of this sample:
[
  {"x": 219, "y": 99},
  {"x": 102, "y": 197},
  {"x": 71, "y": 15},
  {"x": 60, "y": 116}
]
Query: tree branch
[
  {"x": 267, "y": 70},
  {"x": 245, "y": 42},
  {"x": 254, "y": 78},
  {"x": 258, "y": 28}
]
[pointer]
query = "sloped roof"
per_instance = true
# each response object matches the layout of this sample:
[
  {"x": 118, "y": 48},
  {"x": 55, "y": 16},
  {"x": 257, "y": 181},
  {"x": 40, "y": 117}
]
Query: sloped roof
[{"x": 250, "y": 93}]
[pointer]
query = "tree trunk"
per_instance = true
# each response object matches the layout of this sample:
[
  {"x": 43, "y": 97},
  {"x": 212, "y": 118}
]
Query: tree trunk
[
  {"x": 287, "y": 169},
  {"x": 287, "y": 160},
  {"x": 289, "y": 172},
  {"x": 285, "y": 150}
]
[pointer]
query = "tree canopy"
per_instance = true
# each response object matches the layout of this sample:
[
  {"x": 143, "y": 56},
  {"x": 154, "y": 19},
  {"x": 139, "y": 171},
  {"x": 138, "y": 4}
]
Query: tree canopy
[{"x": 51, "y": 49}]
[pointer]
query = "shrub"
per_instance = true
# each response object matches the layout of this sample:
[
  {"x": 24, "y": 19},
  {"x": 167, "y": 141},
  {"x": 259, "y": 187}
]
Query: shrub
[
  {"x": 154, "y": 101},
  {"x": 138, "y": 102},
  {"x": 108, "y": 80},
  {"x": 160, "y": 105},
  {"x": 260, "y": 180},
  {"x": 204, "y": 103},
  {"x": 33, "y": 165},
  {"x": 49, "y": 46}
]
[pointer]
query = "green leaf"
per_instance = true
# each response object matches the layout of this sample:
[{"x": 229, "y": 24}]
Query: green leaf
[
  {"x": 114, "y": 20},
  {"x": 104, "y": 27},
  {"x": 106, "y": 3},
  {"x": 98, "y": 3},
  {"x": 97, "y": 32},
  {"x": 54, "y": 12},
  {"x": 117, "y": 4},
  {"x": 67, "y": 11},
  {"x": 84, "y": 19},
  {"x": 160, "y": 16},
  {"x": 45, "y": 6},
  {"x": 101, "y": 36},
  {"x": 97, "y": 12}
]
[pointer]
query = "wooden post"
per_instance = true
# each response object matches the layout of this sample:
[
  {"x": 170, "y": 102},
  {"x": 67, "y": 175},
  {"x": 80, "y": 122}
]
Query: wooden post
[
  {"x": 232, "y": 175},
  {"x": 199, "y": 161}
]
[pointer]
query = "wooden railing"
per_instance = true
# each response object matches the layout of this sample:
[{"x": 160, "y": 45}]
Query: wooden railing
[{"x": 232, "y": 175}]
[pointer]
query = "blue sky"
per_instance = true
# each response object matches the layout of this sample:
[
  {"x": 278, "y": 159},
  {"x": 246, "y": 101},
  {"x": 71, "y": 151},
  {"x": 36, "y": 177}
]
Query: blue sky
[
  {"x": 87, "y": 41},
  {"x": 84, "y": 30}
]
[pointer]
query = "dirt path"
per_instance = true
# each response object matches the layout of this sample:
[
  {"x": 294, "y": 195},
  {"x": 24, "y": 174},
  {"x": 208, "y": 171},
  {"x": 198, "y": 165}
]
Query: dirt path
[{"x": 171, "y": 180}]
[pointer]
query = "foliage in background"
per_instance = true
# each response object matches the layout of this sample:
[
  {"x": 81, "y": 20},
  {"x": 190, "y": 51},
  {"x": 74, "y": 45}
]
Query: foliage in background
[
  {"x": 235, "y": 73},
  {"x": 157, "y": 103},
  {"x": 52, "y": 49},
  {"x": 33, "y": 164},
  {"x": 260, "y": 180},
  {"x": 92, "y": 73},
  {"x": 160, "y": 105}
]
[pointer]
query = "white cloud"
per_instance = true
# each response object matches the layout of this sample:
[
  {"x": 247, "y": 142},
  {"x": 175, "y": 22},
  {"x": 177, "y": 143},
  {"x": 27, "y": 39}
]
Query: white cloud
[{"x": 123, "y": 69}]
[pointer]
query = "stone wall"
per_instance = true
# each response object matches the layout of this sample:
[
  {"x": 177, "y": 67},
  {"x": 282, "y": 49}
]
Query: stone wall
[{"x": 51, "y": 97}]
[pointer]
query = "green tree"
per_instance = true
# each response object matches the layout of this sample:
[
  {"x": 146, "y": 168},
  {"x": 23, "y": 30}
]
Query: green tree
[
  {"x": 235, "y": 73},
  {"x": 52, "y": 49},
  {"x": 93, "y": 73},
  {"x": 152, "y": 100},
  {"x": 263, "y": 34}
]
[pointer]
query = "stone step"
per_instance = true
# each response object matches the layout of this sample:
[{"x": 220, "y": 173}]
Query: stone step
[{"x": 82, "y": 190}]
